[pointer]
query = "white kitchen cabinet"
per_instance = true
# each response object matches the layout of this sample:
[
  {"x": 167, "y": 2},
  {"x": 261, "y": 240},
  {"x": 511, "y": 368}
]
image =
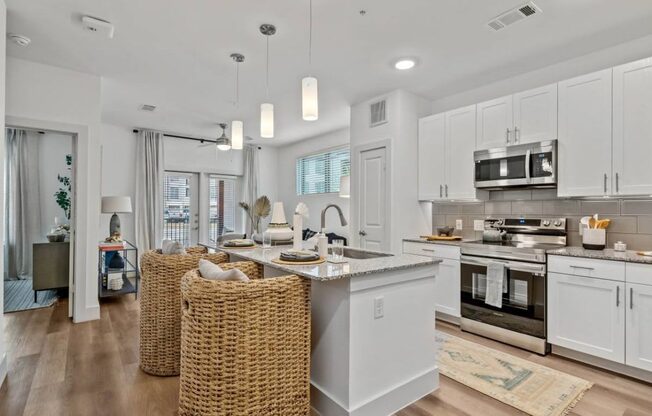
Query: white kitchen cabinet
[
  {"x": 460, "y": 145},
  {"x": 639, "y": 326},
  {"x": 632, "y": 128},
  {"x": 585, "y": 144},
  {"x": 432, "y": 157},
  {"x": 447, "y": 282},
  {"x": 535, "y": 115},
  {"x": 587, "y": 315},
  {"x": 495, "y": 123}
]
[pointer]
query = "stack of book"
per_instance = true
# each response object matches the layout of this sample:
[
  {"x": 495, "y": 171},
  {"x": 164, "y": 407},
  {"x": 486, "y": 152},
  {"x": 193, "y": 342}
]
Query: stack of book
[{"x": 111, "y": 246}]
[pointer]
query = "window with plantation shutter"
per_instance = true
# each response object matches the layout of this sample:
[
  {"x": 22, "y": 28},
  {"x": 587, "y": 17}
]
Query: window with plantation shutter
[{"x": 320, "y": 173}]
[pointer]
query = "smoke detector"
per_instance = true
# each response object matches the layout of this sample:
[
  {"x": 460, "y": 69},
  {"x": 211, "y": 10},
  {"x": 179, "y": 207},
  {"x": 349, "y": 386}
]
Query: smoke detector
[
  {"x": 514, "y": 15},
  {"x": 19, "y": 40},
  {"x": 98, "y": 26},
  {"x": 147, "y": 107}
]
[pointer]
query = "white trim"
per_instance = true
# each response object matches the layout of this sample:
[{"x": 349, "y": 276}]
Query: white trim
[{"x": 3, "y": 369}]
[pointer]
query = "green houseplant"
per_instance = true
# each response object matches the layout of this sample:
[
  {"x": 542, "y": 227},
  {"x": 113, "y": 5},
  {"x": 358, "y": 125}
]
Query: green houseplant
[{"x": 62, "y": 196}]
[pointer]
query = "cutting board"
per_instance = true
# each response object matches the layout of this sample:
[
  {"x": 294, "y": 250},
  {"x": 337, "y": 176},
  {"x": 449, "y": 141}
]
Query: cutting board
[{"x": 442, "y": 237}]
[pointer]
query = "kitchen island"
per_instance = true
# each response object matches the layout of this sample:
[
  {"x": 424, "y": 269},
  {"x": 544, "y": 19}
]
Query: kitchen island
[{"x": 373, "y": 329}]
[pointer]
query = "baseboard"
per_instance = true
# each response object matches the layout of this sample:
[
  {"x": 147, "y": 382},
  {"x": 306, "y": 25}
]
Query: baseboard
[
  {"x": 451, "y": 319},
  {"x": 90, "y": 313},
  {"x": 3, "y": 369},
  {"x": 387, "y": 403},
  {"x": 604, "y": 364}
]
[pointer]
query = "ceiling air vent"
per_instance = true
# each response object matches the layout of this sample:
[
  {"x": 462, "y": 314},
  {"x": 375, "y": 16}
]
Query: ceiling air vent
[
  {"x": 148, "y": 107},
  {"x": 513, "y": 16},
  {"x": 378, "y": 113}
]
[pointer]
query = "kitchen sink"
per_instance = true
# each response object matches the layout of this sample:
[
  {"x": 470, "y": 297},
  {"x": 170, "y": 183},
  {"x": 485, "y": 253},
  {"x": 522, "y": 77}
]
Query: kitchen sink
[{"x": 359, "y": 254}]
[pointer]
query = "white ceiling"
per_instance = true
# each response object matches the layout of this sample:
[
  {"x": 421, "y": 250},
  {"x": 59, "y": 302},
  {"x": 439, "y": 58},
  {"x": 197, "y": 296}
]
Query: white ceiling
[{"x": 175, "y": 54}]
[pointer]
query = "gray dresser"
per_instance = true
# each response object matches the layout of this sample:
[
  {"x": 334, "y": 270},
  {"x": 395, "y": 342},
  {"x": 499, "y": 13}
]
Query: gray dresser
[{"x": 51, "y": 266}]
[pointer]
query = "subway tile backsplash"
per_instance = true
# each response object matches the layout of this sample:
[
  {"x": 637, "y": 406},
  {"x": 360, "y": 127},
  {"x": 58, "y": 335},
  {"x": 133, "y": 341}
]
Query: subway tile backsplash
[{"x": 631, "y": 218}]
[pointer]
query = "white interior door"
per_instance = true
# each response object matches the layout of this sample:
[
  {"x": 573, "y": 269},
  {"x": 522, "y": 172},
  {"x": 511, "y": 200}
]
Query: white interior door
[
  {"x": 373, "y": 200},
  {"x": 181, "y": 207},
  {"x": 632, "y": 130}
]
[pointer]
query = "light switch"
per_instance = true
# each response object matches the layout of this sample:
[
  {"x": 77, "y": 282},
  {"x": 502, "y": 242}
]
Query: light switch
[
  {"x": 459, "y": 224},
  {"x": 379, "y": 307}
]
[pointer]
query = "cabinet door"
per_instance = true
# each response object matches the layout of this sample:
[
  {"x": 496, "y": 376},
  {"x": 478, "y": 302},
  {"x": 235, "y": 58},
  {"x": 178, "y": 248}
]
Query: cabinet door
[
  {"x": 495, "y": 125},
  {"x": 587, "y": 315},
  {"x": 447, "y": 288},
  {"x": 632, "y": 132},
  {"x": 639, "y": 326},
  {"x": 584, "y": 152},
  {"x": 535, "y": 115},
  {"x": 432, "y": 157},
  {"x": 460, "y": 143}
]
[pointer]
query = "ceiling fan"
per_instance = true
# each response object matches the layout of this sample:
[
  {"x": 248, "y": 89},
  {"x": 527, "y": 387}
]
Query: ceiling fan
[{"x": 223, "y": 142}]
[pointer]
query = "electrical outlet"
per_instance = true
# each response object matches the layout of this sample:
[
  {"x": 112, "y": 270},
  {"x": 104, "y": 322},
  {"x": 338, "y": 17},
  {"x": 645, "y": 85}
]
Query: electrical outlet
[
  {"x": 379, "y": 307},
  {"x": 478, "y": 225},
  {"x": 459, "y": 224}
]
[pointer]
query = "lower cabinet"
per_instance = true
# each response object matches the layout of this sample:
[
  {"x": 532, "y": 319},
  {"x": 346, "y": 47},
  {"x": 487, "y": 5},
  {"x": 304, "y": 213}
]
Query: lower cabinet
[
  {"x": 639, "y": 326},
  {"x": 586, "y": 314}
]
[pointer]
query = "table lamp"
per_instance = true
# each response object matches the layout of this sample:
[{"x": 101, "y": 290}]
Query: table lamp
[{"x": 114, "y": 205}]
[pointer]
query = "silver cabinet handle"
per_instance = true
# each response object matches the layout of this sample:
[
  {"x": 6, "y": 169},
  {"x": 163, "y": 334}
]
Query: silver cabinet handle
[
  {"x": 362, "y": 233},
  {"x": 617, "y": 184},
  {"x": 516, "y": 134},
  {"x": 581, "y": 267},
  {"x": 441, "y": 191},
  {"x": 507, "y": 136},
  {"x": 631, "y": 298},
  {"x": 618, "y": 296},
  {"x": 605, "y": 183},
  {"x": 430, "y": 250},
  {"x": 446, "y": 187}
]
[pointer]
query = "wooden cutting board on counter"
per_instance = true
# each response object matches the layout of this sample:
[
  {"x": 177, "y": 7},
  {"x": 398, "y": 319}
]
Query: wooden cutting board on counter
[{"x": 442, "y": 237}]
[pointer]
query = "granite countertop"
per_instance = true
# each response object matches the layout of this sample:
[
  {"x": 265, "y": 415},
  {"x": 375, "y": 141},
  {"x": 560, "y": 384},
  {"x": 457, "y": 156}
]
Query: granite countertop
[
  {"x": 606, "y": 254},
  {"x": 441, "y": 242},
  {"x": 332, "y": 271}
]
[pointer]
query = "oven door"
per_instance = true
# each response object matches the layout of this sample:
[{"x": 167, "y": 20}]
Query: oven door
[{"x": 523, "y": 301}]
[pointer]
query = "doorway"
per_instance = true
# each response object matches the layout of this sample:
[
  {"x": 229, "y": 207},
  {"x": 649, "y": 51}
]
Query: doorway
[
  {"x": 39, "y": 204},
  {"x": 181, "y": 207},
  {"x": 373, "y": 201}
]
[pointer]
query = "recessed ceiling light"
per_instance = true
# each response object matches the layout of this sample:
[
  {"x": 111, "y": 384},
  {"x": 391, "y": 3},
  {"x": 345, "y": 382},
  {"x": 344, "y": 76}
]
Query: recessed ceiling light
[
  {"x": 19, "y": 40},
  {"x": 405, "y": 63}
]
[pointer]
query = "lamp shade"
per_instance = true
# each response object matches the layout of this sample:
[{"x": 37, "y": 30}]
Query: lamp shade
[
  {"x": 237, "y": 134},
  {"x": 278, "y": 214},
  {"x": 310, "y": 98},
  {"x": 115, "y": 204},
  {"x": 345, "y": 186},
  {"x": 267, "y": 120}
]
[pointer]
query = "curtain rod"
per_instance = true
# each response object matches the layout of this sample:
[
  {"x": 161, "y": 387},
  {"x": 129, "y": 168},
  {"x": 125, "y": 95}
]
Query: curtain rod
[{"x": 177, "y": 136}]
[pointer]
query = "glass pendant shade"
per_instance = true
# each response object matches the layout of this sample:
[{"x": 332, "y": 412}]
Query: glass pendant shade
[
  {"x": 267, "y": 120},
  {"x": 310, "y": 98},
  {"x": 224, "y": 146},
  {"x": 237, "y": 134}
]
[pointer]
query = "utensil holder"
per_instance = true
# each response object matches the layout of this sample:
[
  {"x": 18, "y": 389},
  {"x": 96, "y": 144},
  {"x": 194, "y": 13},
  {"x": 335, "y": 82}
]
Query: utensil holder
[{"x": 594, "y": 238}]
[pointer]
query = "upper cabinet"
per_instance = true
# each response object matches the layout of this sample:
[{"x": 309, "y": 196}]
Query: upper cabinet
[
  {"x": 432, "y": 157},
  {"x": 526, "y": 117},
  {"x": 632, "y": 128},
  {"x": 584, "y": 148}
]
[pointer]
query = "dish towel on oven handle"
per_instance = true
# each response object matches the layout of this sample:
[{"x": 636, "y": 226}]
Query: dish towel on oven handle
[{"x": 495, "y": 284}]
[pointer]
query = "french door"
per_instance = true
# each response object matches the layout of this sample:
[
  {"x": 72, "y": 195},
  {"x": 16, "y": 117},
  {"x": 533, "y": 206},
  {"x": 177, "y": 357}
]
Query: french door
[{"x": 181, "y": 207}]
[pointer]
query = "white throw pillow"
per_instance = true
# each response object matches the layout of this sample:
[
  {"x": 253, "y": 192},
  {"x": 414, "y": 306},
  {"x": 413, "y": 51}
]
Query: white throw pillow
[
  {"x": 172, "y": 247},
  {"x": 212, "y": 271}
]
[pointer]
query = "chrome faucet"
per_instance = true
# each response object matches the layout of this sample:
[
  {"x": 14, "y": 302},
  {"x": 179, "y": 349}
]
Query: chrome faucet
[{"x": 339, "y": 211}]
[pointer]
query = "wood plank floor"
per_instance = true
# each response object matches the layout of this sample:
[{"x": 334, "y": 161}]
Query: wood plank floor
[{"x": 57, "y": 368}]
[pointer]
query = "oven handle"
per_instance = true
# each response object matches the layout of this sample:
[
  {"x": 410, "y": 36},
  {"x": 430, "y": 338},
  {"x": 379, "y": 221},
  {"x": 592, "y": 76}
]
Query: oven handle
[{"x": 539, "y": 269}]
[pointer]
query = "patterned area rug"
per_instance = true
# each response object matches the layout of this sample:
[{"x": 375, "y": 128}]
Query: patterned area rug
[
  {"x": 530, "y": 387},
  {"x": 18, "y": 296}
]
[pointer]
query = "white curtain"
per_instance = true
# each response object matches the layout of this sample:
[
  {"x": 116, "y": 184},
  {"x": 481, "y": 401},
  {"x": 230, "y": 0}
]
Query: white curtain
[
  {"x": 23, "y": 210},
  {"x": 149, "y": 190},
  {"x": 250, "y": 179}
]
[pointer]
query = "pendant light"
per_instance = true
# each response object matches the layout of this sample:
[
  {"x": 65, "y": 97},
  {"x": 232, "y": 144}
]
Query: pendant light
[
  {"x": 237, "y": 127},
  {"x": 309, "y": 85},
  {"x": 267, "y": 108},
  {"x": 223, "y": 143}
]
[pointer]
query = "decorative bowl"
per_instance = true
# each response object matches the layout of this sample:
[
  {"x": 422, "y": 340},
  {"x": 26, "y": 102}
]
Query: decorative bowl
[
  {"x": 445, "y": 231},
  {"x": 56, "y": 238}
]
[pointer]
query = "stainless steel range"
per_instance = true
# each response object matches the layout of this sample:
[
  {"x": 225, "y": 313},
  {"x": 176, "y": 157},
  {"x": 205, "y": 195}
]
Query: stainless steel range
[{"x": 516, "y": 248}]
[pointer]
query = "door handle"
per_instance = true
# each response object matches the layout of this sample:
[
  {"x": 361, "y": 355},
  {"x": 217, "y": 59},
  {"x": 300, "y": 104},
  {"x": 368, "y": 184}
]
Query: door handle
[
  {"x": 617, "y": 296},
  {"x": 446, "y": 186},
  {"x": 605, "y": 183},
  {"x": 441, "y": 191},
  {"x": 507, "y": 136},
  {"x": 617, "y": 184},
  {"x": 362, "y": 233},
  {"x": 631, "y": 298}
]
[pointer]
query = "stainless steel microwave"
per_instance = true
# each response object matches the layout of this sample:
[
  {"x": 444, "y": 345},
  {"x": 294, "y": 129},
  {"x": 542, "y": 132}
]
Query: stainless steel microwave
[{"x": 526, "y": 165}]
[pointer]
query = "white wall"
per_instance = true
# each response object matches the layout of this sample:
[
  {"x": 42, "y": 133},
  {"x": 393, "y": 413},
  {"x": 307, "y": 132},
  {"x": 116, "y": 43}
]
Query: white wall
[
  {"x": 606, "y": 58},
  {"x": 53, "y": 149},
  {"x": 60, "y": 97},
  {"x": 409, "y": 218},
  {"x": 3, "y": 44},
  {"x": 286, "y": 179}
]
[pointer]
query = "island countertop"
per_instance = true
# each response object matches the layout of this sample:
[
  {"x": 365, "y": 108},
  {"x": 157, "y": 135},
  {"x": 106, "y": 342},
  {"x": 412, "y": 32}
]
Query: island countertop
[{"x": 330, "y": 271}]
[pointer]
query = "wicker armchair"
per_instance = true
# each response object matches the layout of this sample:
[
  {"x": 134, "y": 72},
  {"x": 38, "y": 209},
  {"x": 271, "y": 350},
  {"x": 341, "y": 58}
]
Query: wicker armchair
[
  {"x": 245, "y": 347},
  {"x": 160, "y": 317}
]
